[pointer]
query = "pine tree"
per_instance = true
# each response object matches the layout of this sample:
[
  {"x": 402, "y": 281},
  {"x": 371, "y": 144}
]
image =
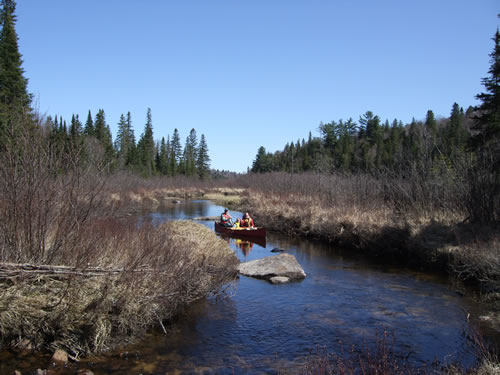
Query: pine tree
[
  {"x": 89, "y": 126},
  {"x": 168, "y": 153},
  {"x": 484, "y": 205},
  {"x": 371, "y": 125},
  {"x": 175, "y": 152},
  {"x": 14, "y": 96},
  {"x": 191, "y": 153},
  {"x": 487, "y": 119},
  {"x": 75, "y": 129},
  {"x": 163, "y": 157},
  {"x": 455, "y": 134},
  {"x": 75, "y": 134},
  {"x": 431, "y": 123},
  {"x": 262, "y": 162},
  {"x": 146, "y": 147},
  {"x": 131, "y": 157},
  {"x": 203, "y": 161},
  {"x": 103, "y": 134},
  {"x": 122, "y": 141}
]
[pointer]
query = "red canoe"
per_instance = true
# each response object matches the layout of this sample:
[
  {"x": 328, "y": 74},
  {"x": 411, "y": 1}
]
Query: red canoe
[{"x": 241, "y": 232}]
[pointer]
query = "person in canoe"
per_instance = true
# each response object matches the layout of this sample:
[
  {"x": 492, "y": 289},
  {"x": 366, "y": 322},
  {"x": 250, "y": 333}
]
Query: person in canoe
[
  {"x": 247, "y": 221},
  {"x": 226, "y": 219},
  {"x": 237, "y": 225}
]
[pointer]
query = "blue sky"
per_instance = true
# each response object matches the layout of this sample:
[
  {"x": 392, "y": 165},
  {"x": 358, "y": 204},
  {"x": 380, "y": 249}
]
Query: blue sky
[{"x": 253, "y": 73}]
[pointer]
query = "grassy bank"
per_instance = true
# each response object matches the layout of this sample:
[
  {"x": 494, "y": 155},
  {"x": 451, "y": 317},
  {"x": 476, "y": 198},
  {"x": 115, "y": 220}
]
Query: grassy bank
[
  {"x": 129, "y": 193},
  {"x": 125, "y": 280},
  {"x": 379, "y": 218},
  {"x": 411, "y": 222}
]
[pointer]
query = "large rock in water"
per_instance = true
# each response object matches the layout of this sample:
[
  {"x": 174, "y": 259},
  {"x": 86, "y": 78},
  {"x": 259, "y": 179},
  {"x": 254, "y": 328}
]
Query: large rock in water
[{"x": 284, "y": 265}]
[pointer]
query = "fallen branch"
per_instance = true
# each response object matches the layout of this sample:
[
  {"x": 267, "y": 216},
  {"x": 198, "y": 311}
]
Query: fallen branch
[{"x": 14, "y": 269}]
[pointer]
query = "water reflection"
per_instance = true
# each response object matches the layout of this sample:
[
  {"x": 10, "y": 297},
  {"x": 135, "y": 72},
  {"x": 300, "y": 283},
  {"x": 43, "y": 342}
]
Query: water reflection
[{"x": 244, "y": 246}]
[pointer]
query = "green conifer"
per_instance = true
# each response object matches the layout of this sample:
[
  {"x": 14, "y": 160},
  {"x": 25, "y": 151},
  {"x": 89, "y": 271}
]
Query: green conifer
[
  {"x": 203, "y": 161},
  {"x": 14, "y": 96}
]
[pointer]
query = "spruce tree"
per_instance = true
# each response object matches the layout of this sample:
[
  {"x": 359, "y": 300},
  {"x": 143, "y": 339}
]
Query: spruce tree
[
  {"x": 168, "y": 153},
  {"x": 14, "y": 96},
  {"x": 191, "y": 152},
  {"x": 75, "y": 134},
  {"x": 454, "y": 134},
  {"x": 203, "y": 161},
  {"x": 89, "y": 126},
  {"x": 163, "y": 157},
  {"x": 484, "y": 204},
  {"x": 487, "y": 119},
  {"x": 431, "y": 124},
  {"x": 175, "y": 152},
  {"x": 103, "y": 134},
  {"x": 131, "y": 157},
  {"x": 75, "y": 129},
  {"x": 262, "y": 162},
  {"x": 122, "y": 142},
  {"x": 146, "y": 147}
]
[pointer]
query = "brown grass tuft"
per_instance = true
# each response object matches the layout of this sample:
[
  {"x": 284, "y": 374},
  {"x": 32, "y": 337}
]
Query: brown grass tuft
[{"x": 152, "y": 274}]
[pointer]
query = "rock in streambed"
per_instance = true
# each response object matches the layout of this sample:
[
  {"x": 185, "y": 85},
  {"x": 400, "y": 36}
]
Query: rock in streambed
[{"x": 283, "y": 266}]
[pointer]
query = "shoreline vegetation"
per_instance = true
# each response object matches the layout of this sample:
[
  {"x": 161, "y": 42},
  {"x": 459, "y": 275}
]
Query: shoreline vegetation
[{"x": 111, "y": 293}]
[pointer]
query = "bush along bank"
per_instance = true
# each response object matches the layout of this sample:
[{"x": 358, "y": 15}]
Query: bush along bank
[{"x": 125, "y": 280}]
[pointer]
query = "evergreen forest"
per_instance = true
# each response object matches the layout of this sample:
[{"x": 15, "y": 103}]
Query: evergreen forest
[
  {"x": 92, "y": 140},
  {"x": 461, "y": 150}
]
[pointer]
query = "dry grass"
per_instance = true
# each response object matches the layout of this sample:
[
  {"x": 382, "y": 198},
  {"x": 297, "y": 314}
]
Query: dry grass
[
  {"x": 479, "y": 260},
  {"x": 161, "y": 271},
  {"x": 378, "y": 216},
  {"x": 225, "y": 197},
  {"x": 130, "y": 193}
]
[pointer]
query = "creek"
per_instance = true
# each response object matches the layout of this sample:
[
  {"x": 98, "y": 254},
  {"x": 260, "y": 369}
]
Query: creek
[{"x": 345, "y": 301}]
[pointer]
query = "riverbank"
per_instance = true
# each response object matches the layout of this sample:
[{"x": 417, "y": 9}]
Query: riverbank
[
  {"x": 355, "y": 214},
  {"x": 124, "y": 280},
  {"x": 465, "y": 250},
  {"x": 352, "y": 214}
]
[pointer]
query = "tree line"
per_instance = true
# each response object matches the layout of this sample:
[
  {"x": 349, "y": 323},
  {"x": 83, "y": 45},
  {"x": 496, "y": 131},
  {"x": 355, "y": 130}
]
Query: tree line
[
  {"x": 460, "y": 150},
  {"x": 144, "y": 156},
  {"x": 371, "y": 145},
  {"x": 92, "y": 139}
]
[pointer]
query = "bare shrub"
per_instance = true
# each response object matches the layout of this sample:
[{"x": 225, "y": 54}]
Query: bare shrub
[
  {"x": 483, "y": 199},
  {"x": 45, "y": 198}
]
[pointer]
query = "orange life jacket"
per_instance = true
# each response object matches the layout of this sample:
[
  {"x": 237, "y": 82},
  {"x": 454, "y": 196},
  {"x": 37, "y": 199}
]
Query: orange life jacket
[{"x": 224, "y": 218}]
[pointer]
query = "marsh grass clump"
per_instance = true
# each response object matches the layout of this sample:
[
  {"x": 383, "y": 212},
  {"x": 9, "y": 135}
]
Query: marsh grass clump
[{"x": 134, "y": 278}]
